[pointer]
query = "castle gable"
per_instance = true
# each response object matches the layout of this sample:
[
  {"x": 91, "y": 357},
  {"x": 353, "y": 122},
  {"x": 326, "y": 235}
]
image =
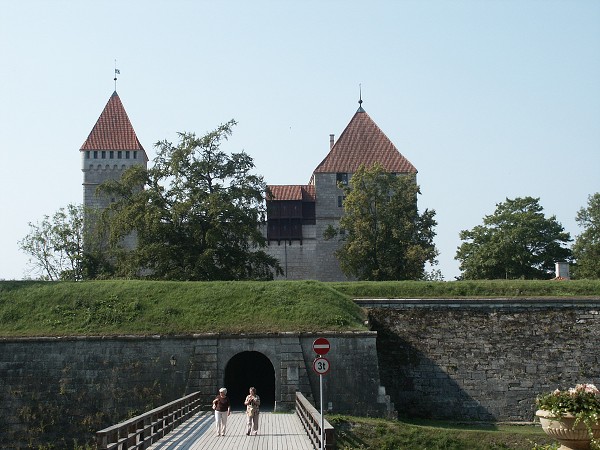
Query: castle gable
[{"x": 363, "y": 142}]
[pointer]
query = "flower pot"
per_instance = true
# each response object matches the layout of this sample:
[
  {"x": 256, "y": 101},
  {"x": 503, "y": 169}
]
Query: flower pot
[{"x": 561, "y": 429}]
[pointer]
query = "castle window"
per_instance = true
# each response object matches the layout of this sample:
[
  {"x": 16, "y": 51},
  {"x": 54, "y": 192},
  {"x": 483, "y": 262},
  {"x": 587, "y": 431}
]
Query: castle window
[
  {"x": 119, "y": 154},
  {"x": 341, "y": 199},
  {"x": 127, "y": 154},
  {"x": 87, "y": 154},
  {"x": 111, "y": 154},
  {"x": 134, "y": 155},
  {"x": 103, "y": 154},
  {"x": 95, "y": 154},
  {"x": 341, "y": 178}
]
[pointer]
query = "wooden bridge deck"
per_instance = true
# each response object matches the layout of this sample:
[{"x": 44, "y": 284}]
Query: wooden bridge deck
[{"x": 277, "y": 431}]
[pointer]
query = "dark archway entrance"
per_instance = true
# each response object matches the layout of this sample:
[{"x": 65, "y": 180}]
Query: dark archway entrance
[{"x": 250, "y": 369}]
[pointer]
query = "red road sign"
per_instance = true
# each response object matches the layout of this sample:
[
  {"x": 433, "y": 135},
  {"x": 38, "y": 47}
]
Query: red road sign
[
  {"x": 321, "y": 346},
  {"x": 321, "y": 365}
]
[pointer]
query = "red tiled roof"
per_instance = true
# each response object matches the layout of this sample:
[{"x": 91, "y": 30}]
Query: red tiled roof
[
  {"x": 363, "y": 142},
  {"x": 308, "y": 193},
  {"x": 113, "y": 130},
  {"x": 292, "y": 192}
]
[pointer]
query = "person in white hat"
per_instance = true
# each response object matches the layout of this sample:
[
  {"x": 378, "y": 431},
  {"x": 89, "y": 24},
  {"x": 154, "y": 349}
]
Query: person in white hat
[{"x": 222, "y": 411}]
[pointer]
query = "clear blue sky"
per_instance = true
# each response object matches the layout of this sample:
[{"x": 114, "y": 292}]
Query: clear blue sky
[{"x": 488, "y": 99}]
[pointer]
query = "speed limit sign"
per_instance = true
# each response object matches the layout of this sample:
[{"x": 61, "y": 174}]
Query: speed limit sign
[{"x": 321, "y": 365}]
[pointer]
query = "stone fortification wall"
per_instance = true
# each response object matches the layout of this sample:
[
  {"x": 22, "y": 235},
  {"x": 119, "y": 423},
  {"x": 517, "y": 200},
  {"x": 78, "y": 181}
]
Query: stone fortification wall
[
  {"x": 327, "y": 213},
  {"x": 483, "y": 359},
  {"x": 447, "y": 359},
  {"x": 297, "y": 260},
  {"x": 54, "y": 390}
]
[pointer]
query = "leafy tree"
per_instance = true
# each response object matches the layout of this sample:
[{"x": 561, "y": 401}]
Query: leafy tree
[
  {"x": 383, "y": 235},
  {"x": 196, "y": 219},
  {"x": 586, "y": 249},
  {"x": 55, "y": 245},
  {"x": 517, "y": 241}
]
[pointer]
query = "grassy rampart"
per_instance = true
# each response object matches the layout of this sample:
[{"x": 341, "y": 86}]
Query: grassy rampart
[{"x": 31, "y": 308}]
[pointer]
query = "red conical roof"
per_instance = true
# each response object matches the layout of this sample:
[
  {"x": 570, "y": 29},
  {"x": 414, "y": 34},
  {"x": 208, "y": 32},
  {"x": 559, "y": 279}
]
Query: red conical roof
[
  {"x": 363, "y": 142},
  {"x": 113, "y": 130}
]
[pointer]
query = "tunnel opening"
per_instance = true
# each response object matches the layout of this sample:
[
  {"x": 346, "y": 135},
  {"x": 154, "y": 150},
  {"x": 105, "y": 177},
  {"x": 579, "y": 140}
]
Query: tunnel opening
[{"x": 248, "y": 369}]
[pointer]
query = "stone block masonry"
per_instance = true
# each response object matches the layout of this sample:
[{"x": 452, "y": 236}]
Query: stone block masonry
[
  {"x": 54, "y": 391},
  {"x": 483, "y": 360}
]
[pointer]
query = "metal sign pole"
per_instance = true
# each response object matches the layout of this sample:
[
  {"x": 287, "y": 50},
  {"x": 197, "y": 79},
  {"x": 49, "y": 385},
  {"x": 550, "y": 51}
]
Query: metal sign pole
[
  {"x": 322, "y": 418},
  {"x": 321, "y": 366}
]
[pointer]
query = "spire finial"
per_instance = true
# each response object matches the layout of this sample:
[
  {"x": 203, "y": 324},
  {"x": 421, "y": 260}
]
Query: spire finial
[
  {"x": 360, "y": 108},
  {"x": 117, "y": 71}
]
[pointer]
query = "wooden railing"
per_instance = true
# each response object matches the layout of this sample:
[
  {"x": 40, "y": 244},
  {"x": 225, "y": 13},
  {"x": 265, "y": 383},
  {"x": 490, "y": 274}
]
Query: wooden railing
[
  {"x": 311, "y": 420},
  {"x": 142, "y": 431}
]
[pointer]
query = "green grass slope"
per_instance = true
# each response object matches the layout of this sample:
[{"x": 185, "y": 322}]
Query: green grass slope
[
  {"x": 29, "y": 308},
  {"x": 361, "y": 433},
  {"x": 35, "y": 308}
]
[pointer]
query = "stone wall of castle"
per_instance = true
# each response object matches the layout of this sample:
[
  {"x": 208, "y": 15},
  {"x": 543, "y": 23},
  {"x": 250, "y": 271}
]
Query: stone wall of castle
[
  {"x": 483, "y": 359},
  {"x": 327, "y": 213},
  {"x": 55, "y": 390},
  {"x": 297, "y": 258},
  {"x": 98, "y": 170}
]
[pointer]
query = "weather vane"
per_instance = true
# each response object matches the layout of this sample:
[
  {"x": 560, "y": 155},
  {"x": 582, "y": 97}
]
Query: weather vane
[
  {"x": 117, "y": 72},
  {"x": 360, "y": 97},
  {"x": 359, "y": 93}
]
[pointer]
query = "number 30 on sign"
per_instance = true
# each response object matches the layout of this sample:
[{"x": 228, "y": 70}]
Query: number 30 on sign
[{"x": 321, "y": 365}]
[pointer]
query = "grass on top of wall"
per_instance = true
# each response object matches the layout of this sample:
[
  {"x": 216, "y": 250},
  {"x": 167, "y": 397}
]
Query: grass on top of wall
[
  {"x": 37, "y": 308},
  {"x": 470, "y": 289},
  {"x": 29, "y": 308}
]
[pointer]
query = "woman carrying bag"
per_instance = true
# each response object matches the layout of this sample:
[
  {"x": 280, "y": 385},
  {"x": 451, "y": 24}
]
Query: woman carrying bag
[{"x": 252, "y": 403}]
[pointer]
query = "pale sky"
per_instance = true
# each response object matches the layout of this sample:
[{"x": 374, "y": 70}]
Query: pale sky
[{"x": 488, "y": 99}]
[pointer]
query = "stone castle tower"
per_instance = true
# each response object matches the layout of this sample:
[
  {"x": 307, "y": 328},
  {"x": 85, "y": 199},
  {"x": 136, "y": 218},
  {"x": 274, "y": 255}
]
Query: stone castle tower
[
  {"x": 298, "y": 215},
  {"x": 111, "y": 148}
]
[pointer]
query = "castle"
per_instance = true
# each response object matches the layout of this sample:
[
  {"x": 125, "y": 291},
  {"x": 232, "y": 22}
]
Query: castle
[{"x": 297, "y": 215}]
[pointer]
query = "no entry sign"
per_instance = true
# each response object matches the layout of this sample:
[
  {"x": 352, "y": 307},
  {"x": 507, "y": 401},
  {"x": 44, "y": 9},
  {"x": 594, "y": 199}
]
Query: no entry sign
[{"x": 321, "y": 346}]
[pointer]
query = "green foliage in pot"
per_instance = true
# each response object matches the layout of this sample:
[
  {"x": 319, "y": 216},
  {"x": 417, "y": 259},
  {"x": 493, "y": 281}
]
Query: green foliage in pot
[{"x": 581, "y": 402}]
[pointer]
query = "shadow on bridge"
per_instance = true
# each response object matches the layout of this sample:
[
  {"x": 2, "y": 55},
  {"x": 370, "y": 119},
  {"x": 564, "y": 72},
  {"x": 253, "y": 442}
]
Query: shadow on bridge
[{"x": 187, "y": 434}]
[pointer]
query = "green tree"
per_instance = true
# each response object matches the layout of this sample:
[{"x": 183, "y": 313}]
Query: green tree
[
  {"x": 197, "y": 217},
  {"x": 517, "y": 241},
  {"x": 55, "y": 245},
  {"x": 383, "y": 235},
  {"x": 586, "y": 249}
]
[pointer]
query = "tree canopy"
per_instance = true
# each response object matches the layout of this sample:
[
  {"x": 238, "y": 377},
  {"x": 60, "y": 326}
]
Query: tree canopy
[
  {"x": 383, "y": 235},
  {"x": 196, "y": 218},
  {"x": 55, "y": 245},
  {"x": 586, "y": 249},
  {"x": 517, "y": 241}
]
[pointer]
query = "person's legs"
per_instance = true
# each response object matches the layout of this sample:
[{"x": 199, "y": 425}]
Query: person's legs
[
  {"x": 218, "y": 422},
  {"x": 255, "y": 423},
  {"x": 224, "y": 415},
  {"x": 248, "y": 424}
]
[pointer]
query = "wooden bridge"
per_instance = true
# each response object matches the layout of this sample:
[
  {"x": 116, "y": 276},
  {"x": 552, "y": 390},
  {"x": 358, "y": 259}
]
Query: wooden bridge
[{"x": 184, "y": 425}]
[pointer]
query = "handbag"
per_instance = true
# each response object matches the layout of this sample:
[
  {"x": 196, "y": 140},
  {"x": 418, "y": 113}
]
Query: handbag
[{"x": 250, "y": 411}]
